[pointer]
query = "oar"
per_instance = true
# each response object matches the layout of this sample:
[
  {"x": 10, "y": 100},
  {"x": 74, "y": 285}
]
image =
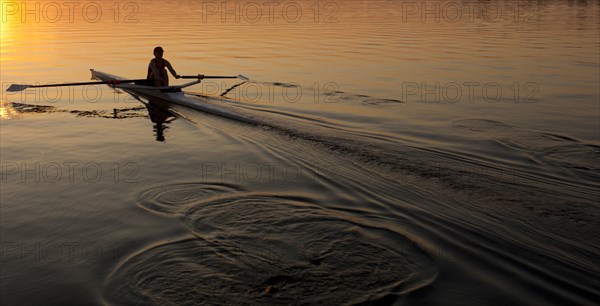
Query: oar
[
  {"x": 231, "y": 88},
  {"x": 20, "y": 87},
  {"x": 241, "y": 77}
]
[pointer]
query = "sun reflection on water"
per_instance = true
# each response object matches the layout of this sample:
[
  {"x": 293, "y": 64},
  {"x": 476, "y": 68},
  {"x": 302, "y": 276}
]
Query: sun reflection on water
[{"x": 6, "y": 110}]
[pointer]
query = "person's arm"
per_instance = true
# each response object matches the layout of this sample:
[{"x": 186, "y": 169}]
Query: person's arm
[{"x": 172, "y": 70}]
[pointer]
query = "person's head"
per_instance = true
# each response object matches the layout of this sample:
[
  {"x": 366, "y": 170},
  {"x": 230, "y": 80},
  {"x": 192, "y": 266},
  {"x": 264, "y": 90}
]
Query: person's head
[{"x": 158, "y": 51}]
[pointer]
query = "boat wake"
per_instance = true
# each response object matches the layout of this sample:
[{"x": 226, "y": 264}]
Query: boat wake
[
  {"x": 375, "y": 216},
  {"x": 496, "y": 212},
  {"x": 581, "y": 160}
]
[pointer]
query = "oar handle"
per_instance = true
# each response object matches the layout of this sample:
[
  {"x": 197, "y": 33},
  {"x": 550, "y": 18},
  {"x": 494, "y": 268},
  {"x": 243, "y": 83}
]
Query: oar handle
[{"x": 207, "y": 77}]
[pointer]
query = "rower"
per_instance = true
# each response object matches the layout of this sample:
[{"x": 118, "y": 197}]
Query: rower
[{"x": 157, "y": 74}]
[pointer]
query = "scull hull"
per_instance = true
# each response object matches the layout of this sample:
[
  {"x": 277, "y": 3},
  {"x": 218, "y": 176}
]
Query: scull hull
[{"x": 172, "y": 94}]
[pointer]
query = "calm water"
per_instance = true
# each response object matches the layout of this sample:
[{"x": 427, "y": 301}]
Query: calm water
[{"x": 397, "y": 158}]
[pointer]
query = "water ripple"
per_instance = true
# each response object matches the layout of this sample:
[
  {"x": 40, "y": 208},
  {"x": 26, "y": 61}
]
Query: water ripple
[
  {"x": 580, "y": 158},
  {"x": 263, "y": 248},
  {"x": 171, "y": 199}
]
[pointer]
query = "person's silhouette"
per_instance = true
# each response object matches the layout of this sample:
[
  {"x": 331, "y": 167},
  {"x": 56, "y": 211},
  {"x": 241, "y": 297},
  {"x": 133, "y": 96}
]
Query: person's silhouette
[{"x": 157, "y": 74}]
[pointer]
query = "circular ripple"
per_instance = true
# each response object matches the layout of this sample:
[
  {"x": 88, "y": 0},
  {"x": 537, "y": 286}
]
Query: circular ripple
[
  {"x": 171, "y": 199},
  {"x": 256, "y": 249}
]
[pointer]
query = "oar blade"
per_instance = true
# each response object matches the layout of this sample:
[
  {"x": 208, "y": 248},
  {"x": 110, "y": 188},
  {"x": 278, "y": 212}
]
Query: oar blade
[
  {"x": 243, "y": 78},
  {"x": 17, "y": 87}
]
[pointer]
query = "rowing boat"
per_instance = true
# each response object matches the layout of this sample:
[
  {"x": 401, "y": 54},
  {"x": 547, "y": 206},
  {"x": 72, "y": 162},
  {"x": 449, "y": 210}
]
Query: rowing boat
[{"x": 170, "y": 94}]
